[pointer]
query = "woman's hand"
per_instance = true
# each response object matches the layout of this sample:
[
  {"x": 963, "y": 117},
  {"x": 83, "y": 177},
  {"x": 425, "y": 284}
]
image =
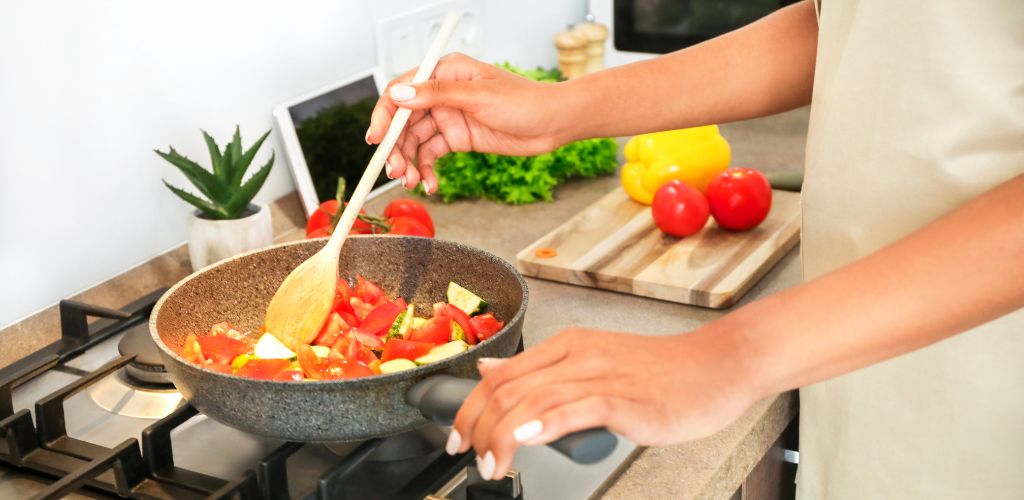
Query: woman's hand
[
  {"x": 467, "y": 106},
  {"x": 652, "y": 390}
]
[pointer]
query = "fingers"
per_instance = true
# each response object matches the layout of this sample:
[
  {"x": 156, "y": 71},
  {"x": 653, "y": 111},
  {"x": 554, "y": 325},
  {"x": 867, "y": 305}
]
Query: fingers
[
  {"x": 427, "y": 154},
  {"x": 464, "y": 95},
  {"x": 577, "y": 415}
]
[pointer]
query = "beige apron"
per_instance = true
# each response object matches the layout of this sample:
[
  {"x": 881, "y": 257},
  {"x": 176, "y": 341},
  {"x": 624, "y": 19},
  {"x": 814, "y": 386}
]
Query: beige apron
[{"x": 918, "y": 107}]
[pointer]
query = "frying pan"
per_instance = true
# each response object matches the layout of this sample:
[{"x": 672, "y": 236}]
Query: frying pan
[{"x": 238, "y": 290}]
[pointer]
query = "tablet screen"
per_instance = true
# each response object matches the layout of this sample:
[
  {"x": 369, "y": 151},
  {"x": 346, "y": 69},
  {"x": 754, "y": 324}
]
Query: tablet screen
[{"x": 331, "y": 129}]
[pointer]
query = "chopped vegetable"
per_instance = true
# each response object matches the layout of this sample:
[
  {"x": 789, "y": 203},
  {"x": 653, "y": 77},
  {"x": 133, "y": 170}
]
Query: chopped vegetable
[
  {"x": 268, "y": 347},
  {"x": 397, "y": 365},
  {"x": 347, "y": 346},
  {"x": 443, "y": 352},
  {"x": 464, "y": 299}
]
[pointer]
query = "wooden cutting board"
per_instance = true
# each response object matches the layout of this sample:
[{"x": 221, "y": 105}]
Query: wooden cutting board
[{"x": 613, "y": 244}]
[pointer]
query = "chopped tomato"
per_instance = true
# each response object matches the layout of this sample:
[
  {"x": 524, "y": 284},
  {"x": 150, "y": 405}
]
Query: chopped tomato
[
  {"x": 217, "y": 367},
  {"x": 350, "y": 348},
  {"x": 459, "y": 316},
  {"x": 333, "y": 327},
  {"x": 401, "y": 302},
  {"x": 352, "y": 369},
  {"x": 289, "y": 375},
  {"x": 361, "y": 307},
  {"x": 485, "y": 325},
  {"x": 350, "y": 318},
  {"x": 437, "y": 330},
  {"x": 380, "y": 318},
  {"x": 408, "y": 349},
  {"x": 318, "y": 368},
  {"x": 191, "y": 351},
  {"x": 221, "y": 348},
  {"x": 370, "y": 341},
  {"x": 342, "y": 295},
  {"x": 367, "y": 290},
  {"x": 264, "y": 369}
]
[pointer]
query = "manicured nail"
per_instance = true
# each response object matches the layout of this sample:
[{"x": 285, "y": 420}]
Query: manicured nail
[
  {"x": 403, "y": 92},
  {"x": 367, "y": 138},
  {"x": 489, "y": 362},
  {"x": 387, "y": 169},
  {"x": 426, "y": 187},
  {"x": 454, "y": 442},
  {"x": 486, "y": 465},
  {"x": 528, "y": 431}
]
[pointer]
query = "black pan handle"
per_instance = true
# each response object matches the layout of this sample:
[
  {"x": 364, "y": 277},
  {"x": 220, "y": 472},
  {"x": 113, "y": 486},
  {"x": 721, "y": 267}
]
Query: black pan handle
[{"x": 440, "y": 396}]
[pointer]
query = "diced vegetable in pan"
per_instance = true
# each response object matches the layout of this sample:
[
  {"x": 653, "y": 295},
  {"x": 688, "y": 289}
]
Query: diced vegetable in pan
[{"x": 366, "y": 333}]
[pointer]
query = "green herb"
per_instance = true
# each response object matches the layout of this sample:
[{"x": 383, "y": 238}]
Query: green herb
[
  {"x": 523, "y": 179},
  {"x": 227, "y": 197}
]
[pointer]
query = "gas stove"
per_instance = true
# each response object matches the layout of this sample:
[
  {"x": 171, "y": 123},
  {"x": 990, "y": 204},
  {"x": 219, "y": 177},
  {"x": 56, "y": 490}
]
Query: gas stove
[{"x": 94, "y": 415}]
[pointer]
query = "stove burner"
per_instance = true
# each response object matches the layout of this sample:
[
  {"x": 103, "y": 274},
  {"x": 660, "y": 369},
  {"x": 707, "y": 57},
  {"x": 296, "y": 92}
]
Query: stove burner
[
  {"x": 147, "y": 367},
  {"x": 119, "y": 394}
]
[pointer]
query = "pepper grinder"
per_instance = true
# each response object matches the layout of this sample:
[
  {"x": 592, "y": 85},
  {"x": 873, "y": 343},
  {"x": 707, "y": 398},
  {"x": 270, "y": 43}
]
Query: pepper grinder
[
  {"x": 572, "y": 53},
  {"x": 596, "y": 35}
]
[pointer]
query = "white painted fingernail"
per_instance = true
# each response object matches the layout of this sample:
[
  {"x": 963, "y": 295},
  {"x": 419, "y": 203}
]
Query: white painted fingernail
[
  {"x": 387, "y": 169},
  {"x": 486, "y": 465},
  {"x": 403, "y": 92},
  {"x": 454, "y": 442},
  {"x": 490, "y": 361},
  {"x": 426, "y": 187},
  {"x": 528, "y": 431}
]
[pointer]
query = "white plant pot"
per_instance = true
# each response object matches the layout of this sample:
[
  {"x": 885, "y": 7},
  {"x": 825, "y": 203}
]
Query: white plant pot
[{"x": 211, "y": 240}]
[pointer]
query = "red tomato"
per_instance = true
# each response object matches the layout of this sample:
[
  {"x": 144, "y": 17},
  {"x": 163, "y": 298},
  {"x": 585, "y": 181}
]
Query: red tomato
[
  {"x": 342, "y": 295},
  {"x": 350, "y": 348},
  {"x": 401, "y": 302},
  {"x": 368, "y": 290},
  {"x": 405, "y": 225},
  {"x": 350, "y": 318},
  {"x": 739, "y": 198},
  {"x": 264, "y": 369},
  {"x": 318, "y": 368},
  {"x": 485, "y": 325},
  {"x": 289, "y": 375},
  {"x": 379, "y": 319},
  {"x": 333, "y": 327},
  {"x": 221, "y": 348},
  {"x": 437, "y": 330},
  {"x": 405, "y": 207},
  {"x": 351, "y": 369},
  {"x": 320, "y": 221},
  {"x": 679, "y": 210},
  {"x": 191, "y": 350},
  {"x": 408, "y": 349},
  {"x": 217, "y": 367},
  {"x": 361, "y": 308},
  {"x": 460, "y": 317}
]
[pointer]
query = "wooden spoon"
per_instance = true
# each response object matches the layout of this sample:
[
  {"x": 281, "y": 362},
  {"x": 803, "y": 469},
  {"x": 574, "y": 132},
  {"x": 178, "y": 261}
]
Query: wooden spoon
[{"x": 304, "y": 299}]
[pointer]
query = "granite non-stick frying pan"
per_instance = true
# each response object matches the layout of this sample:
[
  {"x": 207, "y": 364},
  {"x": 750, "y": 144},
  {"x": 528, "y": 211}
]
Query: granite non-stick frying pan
[{"x": 238, "y": 290}]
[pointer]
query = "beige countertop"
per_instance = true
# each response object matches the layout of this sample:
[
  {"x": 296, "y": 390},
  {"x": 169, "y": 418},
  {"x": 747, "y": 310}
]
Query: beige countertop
[{"x": 708, "y": 468}]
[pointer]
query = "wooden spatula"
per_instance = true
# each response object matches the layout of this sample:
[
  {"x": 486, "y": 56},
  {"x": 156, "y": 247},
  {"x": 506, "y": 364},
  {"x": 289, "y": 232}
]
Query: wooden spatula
[{"x": 304, "y": 300}]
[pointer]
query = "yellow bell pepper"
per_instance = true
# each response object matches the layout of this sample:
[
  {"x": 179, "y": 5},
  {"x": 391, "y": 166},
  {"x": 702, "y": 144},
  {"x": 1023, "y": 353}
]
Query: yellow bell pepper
[{"x": 692, "y": 155}]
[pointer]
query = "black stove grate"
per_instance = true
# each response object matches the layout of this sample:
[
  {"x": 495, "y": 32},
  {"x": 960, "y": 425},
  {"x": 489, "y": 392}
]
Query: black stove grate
[{"x": 131, "y": 470}]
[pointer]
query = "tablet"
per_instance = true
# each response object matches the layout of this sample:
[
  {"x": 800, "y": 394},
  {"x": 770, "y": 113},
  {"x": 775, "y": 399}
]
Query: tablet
[{"x": 324, "y": 136}]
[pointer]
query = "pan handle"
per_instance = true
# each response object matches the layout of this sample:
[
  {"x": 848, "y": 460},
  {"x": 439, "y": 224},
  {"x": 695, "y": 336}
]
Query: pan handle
[{"x": 439, "y": 397}]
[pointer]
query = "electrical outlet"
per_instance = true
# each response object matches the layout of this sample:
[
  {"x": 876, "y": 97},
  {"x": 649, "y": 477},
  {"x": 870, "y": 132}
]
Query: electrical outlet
[{"x": 403, "y": 40}]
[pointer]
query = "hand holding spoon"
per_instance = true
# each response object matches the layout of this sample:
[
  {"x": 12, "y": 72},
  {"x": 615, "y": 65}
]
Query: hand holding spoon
[{"x": 303, "y": 301}]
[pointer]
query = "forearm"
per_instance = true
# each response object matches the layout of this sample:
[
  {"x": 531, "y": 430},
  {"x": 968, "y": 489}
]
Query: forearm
[
  {"x": 962, "y": 270},
  {"x": 760, "y": 69}
]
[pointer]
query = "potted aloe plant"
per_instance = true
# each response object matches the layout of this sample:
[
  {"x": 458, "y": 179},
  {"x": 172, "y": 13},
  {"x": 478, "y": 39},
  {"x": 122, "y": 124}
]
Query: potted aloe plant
[{"x": 225, "y": 222}]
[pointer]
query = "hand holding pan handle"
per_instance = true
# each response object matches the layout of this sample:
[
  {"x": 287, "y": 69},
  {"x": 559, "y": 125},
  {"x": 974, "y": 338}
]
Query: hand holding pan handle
[{"x": 439, "y": 398}]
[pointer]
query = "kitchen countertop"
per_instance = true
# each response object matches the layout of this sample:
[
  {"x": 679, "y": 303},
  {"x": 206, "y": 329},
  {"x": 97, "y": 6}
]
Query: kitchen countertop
[{"x": 712, "y": 467}]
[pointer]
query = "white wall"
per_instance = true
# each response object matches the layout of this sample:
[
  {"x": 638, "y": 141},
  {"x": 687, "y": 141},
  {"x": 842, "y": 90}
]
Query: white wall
[{"x": 88, "y": 89}]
